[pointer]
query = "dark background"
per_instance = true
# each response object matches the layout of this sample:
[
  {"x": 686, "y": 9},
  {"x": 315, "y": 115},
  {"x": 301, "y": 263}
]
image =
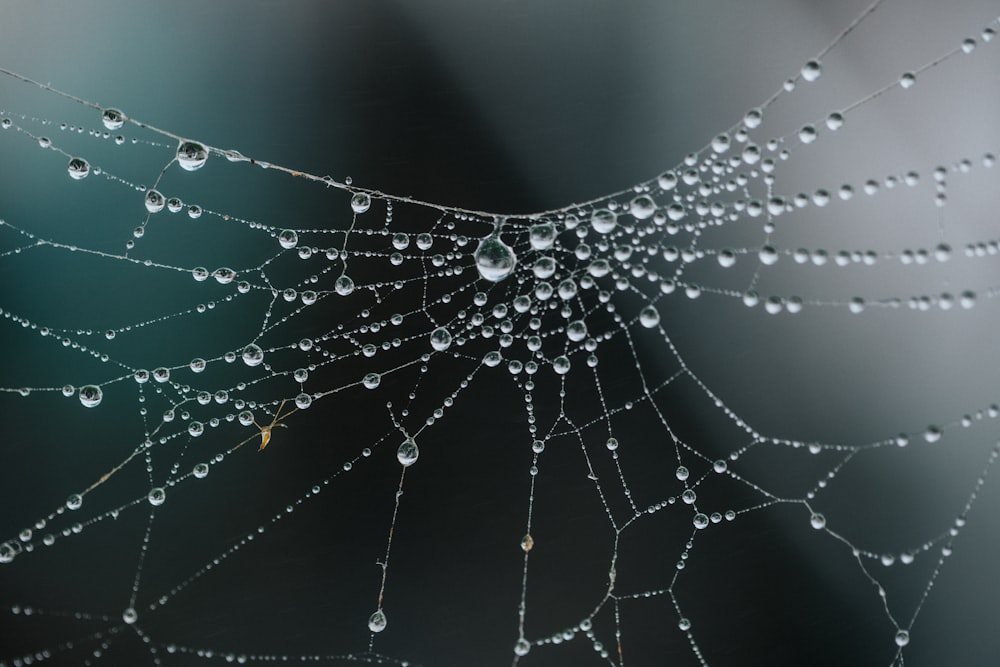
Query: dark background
[{"x": 514, "y": 107}]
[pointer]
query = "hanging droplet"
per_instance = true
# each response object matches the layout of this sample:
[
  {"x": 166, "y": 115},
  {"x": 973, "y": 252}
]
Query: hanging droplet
[
  {"x": 113, "y": 119},
  {"x": 817, "y": 521},
  {"x": 495, "y": 260},
  {"x": 91, "y": 396},
  {"x": 154, "y": 201},
  {"x": 130, "y": 616},
  {"x": 288, "y": 239},
  {"x": 642, "y": 207},
  {"x": 78, "y": 168},
  {"x": 191, "y": 155},
  {"x": 408, "y": 452},
  {"x": 902, "y": 638},
  {"x": 649, "y": 317},
  {"x": 253, "y": 355},
  {"x": 440, "y": 339},
  {"x": 361, "y": 202},
  {"x": 542, "y": 236},
  {"x": 377, "y": 621},
  {"x": 344, "y": 285},
  {"x": 156, "y": 496},
  {"x": 603, "y": 221},
  {"x": 812, "y": 70}
]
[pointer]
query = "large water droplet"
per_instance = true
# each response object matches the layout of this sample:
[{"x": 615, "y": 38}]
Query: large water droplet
[
  {"x": 408, "y": 452},
  {"x": 78, "y": 168},
  {"x": 91, "y": 396},
  {"x": 649, "y": 317},
  {"x": 440, "y": 339},
  {"x": 377, "y": 621},
  {"x": 603, "y": 221},
  {"x": 253, "y": 355},
  {"x": 191, "y": 155},
  {"x": 113, "y": 119},
  {"x": 495, "y": 260}
]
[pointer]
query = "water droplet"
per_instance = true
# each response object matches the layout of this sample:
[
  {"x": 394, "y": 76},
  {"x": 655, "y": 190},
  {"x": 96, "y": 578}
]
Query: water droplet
[
  {"x": 377, "y": 621},
  {"x": 197, "y": 365},
  {"x": 495, "y": 260},
  {"x": 154, "y": 201},
  {"x": 684, "y": 624},
  {"x": 156, "y": 496},
  {"x": 527, "y": 542},
  {"x": 195, "y": 429},
  {"x": 113, "y": 119},
  {"x": 576, "y": 331},
  {"x": 303, "y": 401},
  {"x": 907, "y": 80},
  {"x": 902, "y": 638},
  {"x": 603, "y": 221},
  {"x": 253, "y": 355},
  {"x": 812, "y": 70},
  {"x": 91, "y": 396},
  {"x": 440, "y": 339},
  {"x": 612, "y": 444},
  {"x": 371, "y": 380},
  {"x": 521, "y": 647},
  {"x": 682, "y": 473},
  {"x": 191, "y": 155},
  {"x": 78, "y": 168},
  {"x": 288, "y": 239},
  {"x": 74, "y": 501},
  {"x": 817, "y": 521},
  {"x": 361, "y": 202},
  {"x": 700, "y": 521},
  {"x": 344, "y": 285},
  {"x": 200, "y": 470},
  {"x": 649, "y": 317},
  {"x": 161, "y": 374},
  {"x": 561, "y": 365},
  {"x": 130, "y": 616},
  {"x": 642, "y": 207},
  {"x": 542, "y": 236}
]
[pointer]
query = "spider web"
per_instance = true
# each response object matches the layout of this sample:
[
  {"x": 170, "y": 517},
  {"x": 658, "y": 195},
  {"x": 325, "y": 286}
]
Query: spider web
[{"x": 741, "y": 411}]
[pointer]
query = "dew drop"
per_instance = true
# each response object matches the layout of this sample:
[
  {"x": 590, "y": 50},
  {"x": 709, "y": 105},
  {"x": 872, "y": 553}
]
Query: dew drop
[
  {"x": 817, "y": 521},
  {"x": 191, "y": 155},
  {"x": 902, "y": 638},
  {"x": 78, "y": 168},
  {"x": 130, "y": 616},
  {"x": 812, "y": 70},
  {"x": 74, "y": 501},
  {"x": 156, "y": 496},
  {"x": 649, "y": 317},
  {"x": 521, "y": 647},
  {"x": 495, "y": 260},
  {"x": 288, "y": 239},
  {"x": 113, "y": 119},
  {"x": 377, "y": 621},
  {"x": 604, "y": 221},
  {"x": 361, "y": 202},
  {"x": 253, "y": 355},
  {"x": 344, "y": 285},
  {"x": 154, "y": 201},
  {"x": 440, "y": 339},
  {"x": 408, "y": 452},
  {"x": 527, "y": 542},
  {"x": 91, "y": 396}
]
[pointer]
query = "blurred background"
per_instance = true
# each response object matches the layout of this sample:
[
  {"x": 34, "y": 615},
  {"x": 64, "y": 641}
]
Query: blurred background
[{"x": 517, "y": 107}]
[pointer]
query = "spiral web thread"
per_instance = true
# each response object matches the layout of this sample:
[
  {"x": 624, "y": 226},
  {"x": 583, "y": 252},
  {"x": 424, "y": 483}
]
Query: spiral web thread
[{"x": 405, "y": 305}]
